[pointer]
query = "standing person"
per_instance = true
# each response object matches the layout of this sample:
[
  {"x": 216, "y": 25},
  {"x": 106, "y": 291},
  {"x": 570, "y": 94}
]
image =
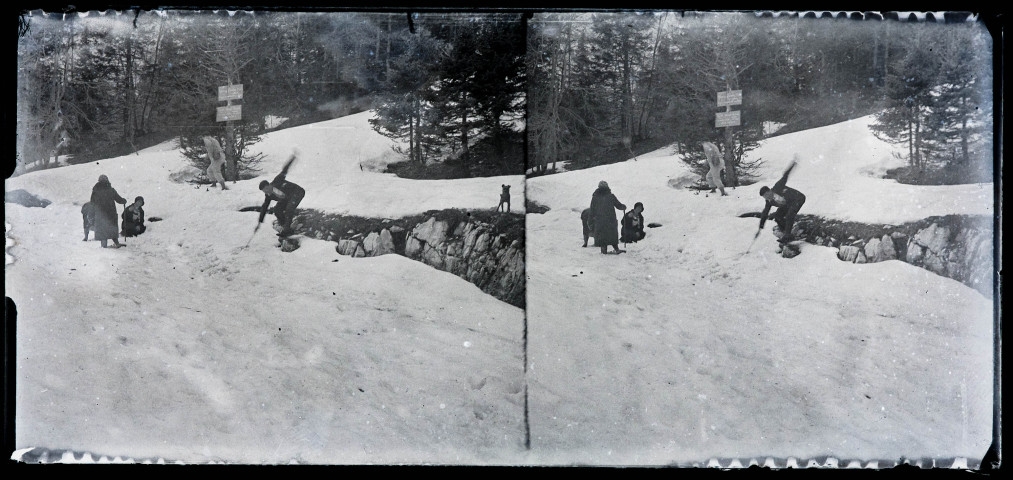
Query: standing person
[
  {"x": 603, "y": 206},
  {"x": 717, "y": 164},
  {"x": 133, "y": 218},
  {"x": 788, "y": 202},
  {"x": 217, "y": 157},
  {"x": 633, "y": 224},
  {"x": 287, "y": 194},
  {"x": 104, "y": 199}
]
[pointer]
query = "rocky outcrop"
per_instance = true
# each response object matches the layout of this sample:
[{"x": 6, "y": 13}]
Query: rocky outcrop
[
  {"x": 486, "y": 249},
  {"x": 954, "y": 246},
  {"x": 472, "y": 250}
]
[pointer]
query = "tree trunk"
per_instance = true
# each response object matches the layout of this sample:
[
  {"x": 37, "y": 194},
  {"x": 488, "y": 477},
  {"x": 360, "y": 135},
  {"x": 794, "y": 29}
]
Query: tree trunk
[
  {"x": 731, "y": 173},
  {"x": 911, "y": 143},
  {"x": 464, "y": 133},
  {"x": 128, "y": 96}
]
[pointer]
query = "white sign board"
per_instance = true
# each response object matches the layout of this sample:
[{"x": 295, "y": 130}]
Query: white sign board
[
  {"x": 230, "y": 92},
  {"x": 728, "y": 119},
  {"x": 229, "y": 113},
  {"x": 731, "y": 97}
]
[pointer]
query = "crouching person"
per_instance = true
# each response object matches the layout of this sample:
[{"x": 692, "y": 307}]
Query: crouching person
[
  {"x": 133, "y": 218},
  {"x": 633, "y": 225}
]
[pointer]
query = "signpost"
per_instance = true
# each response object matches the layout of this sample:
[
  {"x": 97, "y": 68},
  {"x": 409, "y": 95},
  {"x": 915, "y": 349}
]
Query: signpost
[
  {"x": 228, "y": 114},
  {"x": 727, "y": 120},
  {"x": 230, "y": 92},
  {"x": 725, "y": 99}
]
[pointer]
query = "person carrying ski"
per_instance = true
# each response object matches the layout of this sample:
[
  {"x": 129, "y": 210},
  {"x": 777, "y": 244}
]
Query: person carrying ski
[
  {"x": 717, "y": 165},
  {"x": 788, "y": 202},
  {"x": 603, "y": 206},
  {"x": 133, "y": 218},
  {"x": 104, "y": 199},
  {"x": 217, "y": 158},
  {"x": 287, "y": 194},
  {"x": 633, "y": 224}
]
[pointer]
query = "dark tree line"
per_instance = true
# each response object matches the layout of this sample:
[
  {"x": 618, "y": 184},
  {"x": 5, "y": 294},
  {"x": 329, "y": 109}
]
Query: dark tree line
[
  {"x": 111, "y": 84},
  {"x": 609, "y": 85},
  {"x": 459, "y": 79}
]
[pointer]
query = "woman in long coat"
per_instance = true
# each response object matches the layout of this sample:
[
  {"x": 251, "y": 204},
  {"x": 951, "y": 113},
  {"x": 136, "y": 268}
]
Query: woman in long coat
[
  {"x": 103, "y": 196},
  {"x": 603, "y": 210}
]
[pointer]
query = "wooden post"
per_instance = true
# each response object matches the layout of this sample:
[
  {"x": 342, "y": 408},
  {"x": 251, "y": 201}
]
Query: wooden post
[
  {"x": 229, "y": 114},
  {"x": 230, "y": 139},
  {"x": 729, "y": 120}
]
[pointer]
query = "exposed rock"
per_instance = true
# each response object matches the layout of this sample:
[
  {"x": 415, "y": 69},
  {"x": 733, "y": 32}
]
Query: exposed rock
[
  {"x": 378, "y": 243},
  {"x": 386, "y": 245},
  {"x": 370, "y": 243},
  {"x": 848, "y": 253},
  {"x": 935, "y": 238},
  {"x": 289, "y": 244},
  {"x": 346, "y": 246},
  {"x": 489, "y": 255},
  {"x": 880, "y": 249}
]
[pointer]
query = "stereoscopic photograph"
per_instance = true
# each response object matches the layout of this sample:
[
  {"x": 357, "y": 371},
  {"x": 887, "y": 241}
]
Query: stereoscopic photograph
[{"x": 688, "y": 239}]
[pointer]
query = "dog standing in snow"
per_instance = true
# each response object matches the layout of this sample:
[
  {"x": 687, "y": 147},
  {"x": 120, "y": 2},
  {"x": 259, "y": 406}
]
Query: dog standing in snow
[
  {"x": 587, "y": 225},
  {"x": 504, "y": 197},
  {"x": 88, "y": 217}
]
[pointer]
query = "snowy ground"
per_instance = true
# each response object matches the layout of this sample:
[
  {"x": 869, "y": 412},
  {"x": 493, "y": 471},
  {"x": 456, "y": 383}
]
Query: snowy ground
[
  {"x": 189, "y": 347},
  {"x": 688, "y": 348}
]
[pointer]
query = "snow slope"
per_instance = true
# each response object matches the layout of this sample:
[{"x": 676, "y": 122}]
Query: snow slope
[
  {"x": 689, "y": 347},
  {"x": 186, "y": 345}
]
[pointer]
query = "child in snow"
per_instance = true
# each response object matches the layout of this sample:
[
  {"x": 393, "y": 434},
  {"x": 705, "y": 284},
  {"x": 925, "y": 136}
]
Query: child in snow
[
  {"x": 217, "y": 157},
  {"x": 603, "y": 206},
  {"x": 788, "y": 202},
  {"x": 717, "y": 165},
  {"x": 287, "y": 194},
  {"x": 633, "y": 225},
  {"x": 133, "y": 218}
]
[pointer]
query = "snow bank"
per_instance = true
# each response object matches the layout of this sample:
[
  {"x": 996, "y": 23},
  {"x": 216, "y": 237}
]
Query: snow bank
[{"x": 699, "y": 343}]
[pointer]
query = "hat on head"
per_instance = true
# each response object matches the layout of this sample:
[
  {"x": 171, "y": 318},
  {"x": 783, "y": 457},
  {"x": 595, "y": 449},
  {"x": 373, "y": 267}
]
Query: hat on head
[
  {"x": 103, "y": 178},
  {"x": 603, "y": 184},
  {"x": 638, "y": 204},
  {"x": 139, "y": 199}
]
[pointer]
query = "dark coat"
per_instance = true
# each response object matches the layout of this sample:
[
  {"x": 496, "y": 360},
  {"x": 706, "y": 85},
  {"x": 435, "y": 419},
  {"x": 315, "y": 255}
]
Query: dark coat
[
  {"x": 603, "y": 211},
  {"x": 785, "y": 197},
  {"x": 633, "y": 227},
  {"x": 104, "y": 198},
  {"x": 287, "y": 194},
  {"x": 133, "y": 220}
]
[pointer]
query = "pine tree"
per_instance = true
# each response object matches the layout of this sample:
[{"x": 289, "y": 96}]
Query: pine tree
[
  {"x": 909, "y": 95},
  {"x": 958, "y": 116}
]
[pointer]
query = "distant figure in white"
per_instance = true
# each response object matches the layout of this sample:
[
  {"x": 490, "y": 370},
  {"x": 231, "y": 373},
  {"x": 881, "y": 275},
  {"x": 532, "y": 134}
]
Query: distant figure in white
[
  {"x": 217, "y": 157},
  {"x": 717, "y": 165}
]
